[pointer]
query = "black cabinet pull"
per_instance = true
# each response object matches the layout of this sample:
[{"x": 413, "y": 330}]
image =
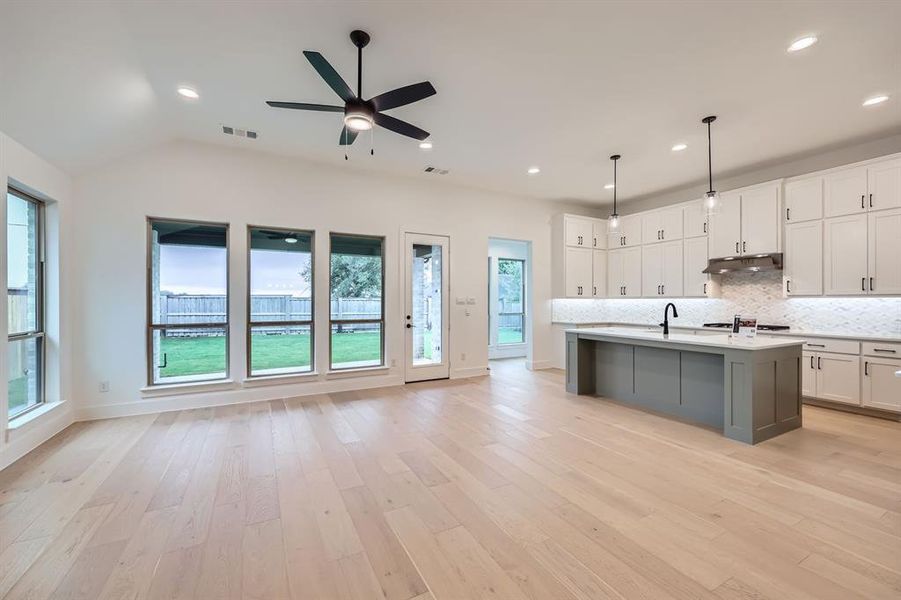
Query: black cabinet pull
[
  {"x": 866, "y": 368},
  {"x": 871, "y": 284},
  {"x": 820, "y": 363},
  {"x": 788, "y": 213},
  {"x": 705, "y": 289},
  {"x": 788, "y": 286},
  {"x": 594, "y": 290},
  {"x": 871, "y": 200},
  {"x": 811, "y": 362},
  {"x": 736, "y": 247},
  {"x": 744, "y": 246},
  {"x": 862, "y": 205},
  {"x": 705, "y": 226},
  {"x": 883, "y": 350},
  {"x": 863, "y": 284},
  {"x": 812, "y": 345},
  {"x": 663, "y": 289}
]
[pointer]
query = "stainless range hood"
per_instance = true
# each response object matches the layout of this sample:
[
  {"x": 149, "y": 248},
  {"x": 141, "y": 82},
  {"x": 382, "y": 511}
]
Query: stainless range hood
[{"x": 754, "y": 262}]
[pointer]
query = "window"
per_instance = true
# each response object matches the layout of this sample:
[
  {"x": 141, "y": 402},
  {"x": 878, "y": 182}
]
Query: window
[
  {"x": 511, "y": 293},
  {"x": 187, "y": 307},
  {"x": 25, "y": 297},
  {"x": 280, "y": 319},
  {"x": 357, "y": 315}
]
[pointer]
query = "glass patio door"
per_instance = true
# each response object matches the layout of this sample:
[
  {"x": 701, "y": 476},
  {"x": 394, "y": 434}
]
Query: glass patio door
[{"x": 426, "y": 307}]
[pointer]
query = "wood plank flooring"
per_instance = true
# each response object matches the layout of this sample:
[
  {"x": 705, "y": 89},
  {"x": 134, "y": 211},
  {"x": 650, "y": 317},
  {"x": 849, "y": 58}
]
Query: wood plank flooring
[{"x": 497, "y": 487}]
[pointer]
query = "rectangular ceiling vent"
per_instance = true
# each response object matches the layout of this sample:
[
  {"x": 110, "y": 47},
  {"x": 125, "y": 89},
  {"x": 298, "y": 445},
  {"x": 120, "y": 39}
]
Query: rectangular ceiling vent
[
  {"x": 242, "y": 133},
  {"x": 436, "y": 171}
]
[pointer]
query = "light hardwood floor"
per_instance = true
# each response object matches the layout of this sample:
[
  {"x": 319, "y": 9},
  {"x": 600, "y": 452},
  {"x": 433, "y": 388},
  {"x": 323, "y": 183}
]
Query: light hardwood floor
[{"x": 497, "y": 487}]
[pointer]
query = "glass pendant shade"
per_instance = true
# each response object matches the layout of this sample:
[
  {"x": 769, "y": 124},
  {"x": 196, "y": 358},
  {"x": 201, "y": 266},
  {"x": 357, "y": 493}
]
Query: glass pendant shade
[
  {"x": 712, "y": 204},
  {"x": 613, "y": 223}
]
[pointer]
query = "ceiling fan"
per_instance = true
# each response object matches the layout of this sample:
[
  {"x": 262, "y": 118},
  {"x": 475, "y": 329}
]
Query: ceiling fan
[{"x": 361, "y": 115}]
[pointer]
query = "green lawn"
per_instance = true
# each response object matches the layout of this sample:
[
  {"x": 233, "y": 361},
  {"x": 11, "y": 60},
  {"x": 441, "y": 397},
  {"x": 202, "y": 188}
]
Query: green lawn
[
  {"x": 18, "y": 394},
  {"x": 508, "y": 335}
]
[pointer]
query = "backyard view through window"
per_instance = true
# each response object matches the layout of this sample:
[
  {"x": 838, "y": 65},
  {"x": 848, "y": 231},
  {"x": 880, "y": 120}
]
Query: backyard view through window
[
  {"x": 188, "y": 304},
  {"x": 24, "y": 297},
  {"x": 281, "y": 301},
  {"x": 511, "y": 311},
  {"x": 356, "y": 273}
]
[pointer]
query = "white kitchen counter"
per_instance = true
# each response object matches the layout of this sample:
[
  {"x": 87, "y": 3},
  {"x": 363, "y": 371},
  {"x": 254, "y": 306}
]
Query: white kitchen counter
[{"x": 715, "y": 340}]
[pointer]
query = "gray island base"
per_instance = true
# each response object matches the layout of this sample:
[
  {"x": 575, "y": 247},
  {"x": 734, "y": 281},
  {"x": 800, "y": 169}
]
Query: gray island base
[{"x": 751, "y": 389}]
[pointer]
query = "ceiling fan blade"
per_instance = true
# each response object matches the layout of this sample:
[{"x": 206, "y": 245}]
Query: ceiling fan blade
[
  {"x": 328, "y": 72},
  {"x": 347, "y": 136},
  {"x": 401, "y": 127},
  {"x": 305, "y": 106},
  {"x": 404, "y": 95}
]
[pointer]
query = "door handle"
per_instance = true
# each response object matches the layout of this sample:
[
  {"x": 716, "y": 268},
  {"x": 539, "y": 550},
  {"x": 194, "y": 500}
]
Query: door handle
[{"x": 866, "y": 368}]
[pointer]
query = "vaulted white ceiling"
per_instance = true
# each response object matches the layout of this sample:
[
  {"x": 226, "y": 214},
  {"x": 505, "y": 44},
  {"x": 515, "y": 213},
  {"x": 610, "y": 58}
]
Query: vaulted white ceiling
[{"x": 554, "y": 84}]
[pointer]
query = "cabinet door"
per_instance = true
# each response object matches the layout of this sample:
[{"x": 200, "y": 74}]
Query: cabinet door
[
  {"x": 631, "y": 227},
  {"x": 845, "y": 256},
  {"x": 844, "y": 192},
  {"x": 884, "y": 239},
  {"x": 884, "y": 185},
  {"x": 599, "y": 278},
  {"x": 809, "y": 374},
  {"x": 579, "y": 231},
  {"x": 614, "y": 273},
  {"x": 881, "y": 388},
  {"x": 804, "y": 200},
  {"x": 672, "y": 269},
  {"x": 670, "y": 224},
  {"x": 632, "y": 271},
  {"x": 838, "y": 378},
  {"x": 578, "y": 272},
  {"x": 725, "y": 227},
  {"x": 694, "y": 219},
  {"x": 760, "y": 220},
  {"x": 804, "y": 258},
  {"x": 694, "y": 261},
  {"x": 651, "y": 270},
  {"x": 651, "y": 227},
  {"x": 599, "y": 234}
]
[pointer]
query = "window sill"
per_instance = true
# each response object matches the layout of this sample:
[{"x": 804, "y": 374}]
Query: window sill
[
  {"x": 33, "y": 414},
  {"x": 263, "y": 380},
  {"x": 171, "y": 389},
  {"x": 359, "y": 372}
]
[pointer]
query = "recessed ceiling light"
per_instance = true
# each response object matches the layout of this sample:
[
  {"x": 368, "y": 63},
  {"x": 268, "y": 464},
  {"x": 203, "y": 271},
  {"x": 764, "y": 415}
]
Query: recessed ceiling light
[
  {"x": 290, "y": 240},
  {"x": 534, "y": 170},
  {"x": 679, "y": 147},
  {"x": 188, "y": 93},
  {"x": 425, "y": 145},
  {"x": 875, "y": 100},
  {"x": 609, "y": 186},
  {"x": 802, "y": 43}
]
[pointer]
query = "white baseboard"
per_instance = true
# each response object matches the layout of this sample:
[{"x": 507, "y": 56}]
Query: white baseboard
[
  {"x": 238, "y": 396},
  {"x": 23, "y": 441},
  {"x": 469, "y": 372},
  {"x": 538, "y": 365}
]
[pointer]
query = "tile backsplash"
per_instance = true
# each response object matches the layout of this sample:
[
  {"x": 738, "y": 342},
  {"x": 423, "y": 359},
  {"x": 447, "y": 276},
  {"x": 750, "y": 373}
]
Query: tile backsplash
[{"x": 750, "y": 294}]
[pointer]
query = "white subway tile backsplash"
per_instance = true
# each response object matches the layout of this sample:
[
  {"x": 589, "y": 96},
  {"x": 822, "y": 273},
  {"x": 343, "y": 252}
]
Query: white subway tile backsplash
[{"x": 749, "y": 294}]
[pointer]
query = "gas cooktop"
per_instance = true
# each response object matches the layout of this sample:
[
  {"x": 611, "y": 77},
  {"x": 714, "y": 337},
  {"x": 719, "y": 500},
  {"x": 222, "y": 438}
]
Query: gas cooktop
[{"x": 759, "y": 327}]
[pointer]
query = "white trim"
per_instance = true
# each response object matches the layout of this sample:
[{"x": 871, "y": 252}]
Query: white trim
[
  {"x": 469, "y": 372},
  {"x": 280, "y": 379},
  {"x": 171, "y": 389},
  {"x": 30, "y": 435},
  {"x": 358, "y": 372},
  {"x": 20, "y": 421},
  {"x": 538, "y": 365}
]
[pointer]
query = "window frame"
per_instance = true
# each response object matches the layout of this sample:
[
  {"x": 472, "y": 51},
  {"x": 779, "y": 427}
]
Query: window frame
[
  {"x": 151, "y": 326},
  {"x": 250, "y": 323},
  {"x": 380, "y": 321},
  {"x": 38, "y": 333},
  {"x": 522, "y": 314}
]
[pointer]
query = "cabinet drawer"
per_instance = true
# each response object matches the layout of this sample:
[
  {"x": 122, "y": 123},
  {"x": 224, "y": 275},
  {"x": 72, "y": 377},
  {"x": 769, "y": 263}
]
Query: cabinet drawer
[
  {"x": 832, "y": 345},
  {"x": 882, "y": 349}
]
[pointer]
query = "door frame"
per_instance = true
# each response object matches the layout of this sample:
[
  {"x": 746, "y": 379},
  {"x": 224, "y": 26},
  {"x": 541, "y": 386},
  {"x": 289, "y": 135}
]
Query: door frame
[{"x": 440, "y": 370}]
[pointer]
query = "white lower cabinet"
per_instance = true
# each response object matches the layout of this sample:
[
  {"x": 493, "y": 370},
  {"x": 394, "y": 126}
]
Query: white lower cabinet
[
  {"x": 809, "y": 374},
  {"x": 881, "y": 388},
  {"x": 834, "y": 377},
  {"x": 803, "y": 272}
]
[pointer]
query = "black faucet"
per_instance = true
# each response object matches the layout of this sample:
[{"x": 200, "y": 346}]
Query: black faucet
[{"x": 665, "y": 323}]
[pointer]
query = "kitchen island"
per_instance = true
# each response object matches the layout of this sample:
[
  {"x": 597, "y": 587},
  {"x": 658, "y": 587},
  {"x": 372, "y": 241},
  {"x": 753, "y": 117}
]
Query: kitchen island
[{"x": 749, "y": 388}]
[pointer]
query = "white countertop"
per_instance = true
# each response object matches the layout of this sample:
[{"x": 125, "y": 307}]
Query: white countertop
[
  {"x": 789, "y": 333},
  {"x": 716, "y": 341}
]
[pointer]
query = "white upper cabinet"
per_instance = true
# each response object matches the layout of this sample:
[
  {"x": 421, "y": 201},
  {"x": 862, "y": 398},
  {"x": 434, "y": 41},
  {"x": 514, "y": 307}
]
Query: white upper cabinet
[
  {"x": 694, "y": 261},
  {"x": 694, "y": 219},
  {"x": 579, "y": 272},
  {"x": 599, "y": 278},
  {"x": 884, "y": 185},
  {"x": 624, "y": 273},
  {"x": 803, "y": 272},
  {"x": 599, "y": 234},
  {"x": 579, "y": 231},
  {"x": 760, "y": 220},
  {"x": 661, "y": 225},
  {"x": 671, "y": 285},
  {"x": 845, "y": 255},
  {"x": 629, "y": 235},
  {"x": 884, "y": 252},
  {"x": 845, "y": 192},
  {"x": 661, "y": 270},
  {"x": 803, "y": 200},
  {"x": 725, "y": 227}
]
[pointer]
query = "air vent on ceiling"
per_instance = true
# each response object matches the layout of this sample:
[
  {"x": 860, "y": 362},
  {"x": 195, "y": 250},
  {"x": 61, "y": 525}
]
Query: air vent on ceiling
[
  {"x": 242, "y": 133},
  {"x": 436, "y": 171}
]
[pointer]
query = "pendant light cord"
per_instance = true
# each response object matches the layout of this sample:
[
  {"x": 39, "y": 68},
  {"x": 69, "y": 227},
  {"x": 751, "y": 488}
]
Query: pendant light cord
[
  {"x": 709, "y": 161},
  {"x": 614, "y": 187}
]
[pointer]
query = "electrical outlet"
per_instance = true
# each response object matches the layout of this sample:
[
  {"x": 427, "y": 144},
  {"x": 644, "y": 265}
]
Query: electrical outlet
[{"x": 104, "y": 386}]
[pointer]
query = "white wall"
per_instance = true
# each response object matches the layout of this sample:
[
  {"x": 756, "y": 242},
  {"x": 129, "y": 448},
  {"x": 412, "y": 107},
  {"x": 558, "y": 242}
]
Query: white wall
[
  {"x": 26, "y": 171},
  {"x": 196, "y": 181}
]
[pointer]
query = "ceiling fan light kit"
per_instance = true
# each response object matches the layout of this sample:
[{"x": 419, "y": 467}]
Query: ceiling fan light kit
[{"x": 359, "y": 114}]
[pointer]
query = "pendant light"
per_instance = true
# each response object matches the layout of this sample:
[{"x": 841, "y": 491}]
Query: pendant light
[
  {"x": 613, "y": 219},
  {"x": 711, "y": 198}
]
